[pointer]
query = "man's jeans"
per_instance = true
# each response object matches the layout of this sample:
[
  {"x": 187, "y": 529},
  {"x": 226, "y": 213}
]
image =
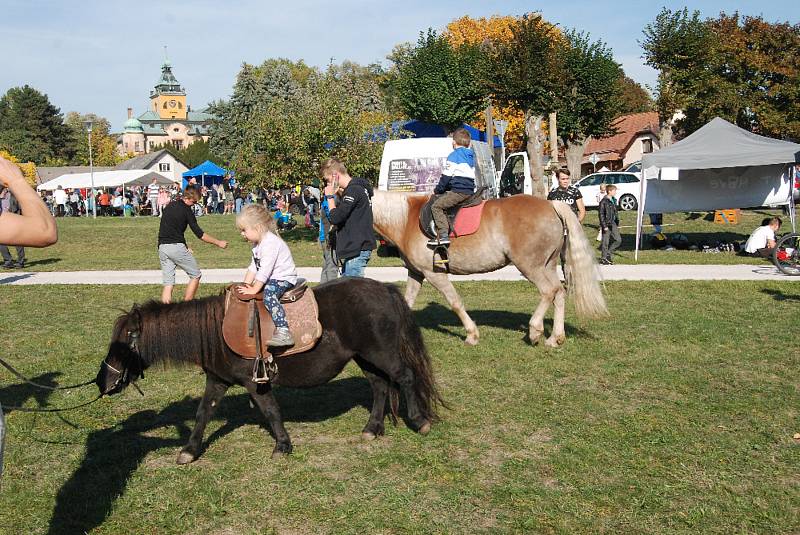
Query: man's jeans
[{"x": 354, "y": 267}]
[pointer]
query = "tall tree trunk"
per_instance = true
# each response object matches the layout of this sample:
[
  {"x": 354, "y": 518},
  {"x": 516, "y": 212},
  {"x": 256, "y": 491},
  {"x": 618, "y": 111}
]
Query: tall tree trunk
[
  {"x": 574, "y": 152},
  {"x": 551, "y": 122},
  {"x": 535, "y": 147},
  {"x": 665, "y": 135}
]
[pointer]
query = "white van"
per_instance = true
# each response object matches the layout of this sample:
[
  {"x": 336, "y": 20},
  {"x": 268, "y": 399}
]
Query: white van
[{"x": 416, "y": 164}]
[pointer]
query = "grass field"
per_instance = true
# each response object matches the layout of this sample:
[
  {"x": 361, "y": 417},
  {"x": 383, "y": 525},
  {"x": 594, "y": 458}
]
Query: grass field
[
  {"x": 130, "y": 243},
  {"x": 675, "y": 416}
]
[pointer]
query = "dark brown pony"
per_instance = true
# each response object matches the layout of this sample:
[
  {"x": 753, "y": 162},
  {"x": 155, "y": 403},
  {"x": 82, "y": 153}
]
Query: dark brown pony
[
  {"x": 362, "y": 320},
  {"x": 520, "y": 230}
]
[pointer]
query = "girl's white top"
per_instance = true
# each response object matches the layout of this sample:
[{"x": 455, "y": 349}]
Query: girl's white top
[{"x": 272, "y": 259}]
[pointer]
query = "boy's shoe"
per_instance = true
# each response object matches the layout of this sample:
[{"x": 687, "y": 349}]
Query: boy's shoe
[
  {"x": 281, "y": 338},
  {"x": 20, "y": 265},
  {"x": 606, "y": 262},
  {"x": 441, "y": 240},
  {"x": 8, "y": 265}
]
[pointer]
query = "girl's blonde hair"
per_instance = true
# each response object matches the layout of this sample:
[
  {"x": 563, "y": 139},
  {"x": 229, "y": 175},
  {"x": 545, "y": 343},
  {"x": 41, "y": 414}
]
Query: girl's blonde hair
[{"x": 257, "y": 217}]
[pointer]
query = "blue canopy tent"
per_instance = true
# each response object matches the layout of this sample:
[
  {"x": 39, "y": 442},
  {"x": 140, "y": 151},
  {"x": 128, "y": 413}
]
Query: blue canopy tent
[{"x": 206, "y": 173}]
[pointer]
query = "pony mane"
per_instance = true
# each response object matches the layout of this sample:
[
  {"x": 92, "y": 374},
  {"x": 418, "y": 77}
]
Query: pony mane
[
  {"x": 390, "y": 209},
  {"x": 186, "y": 332}
]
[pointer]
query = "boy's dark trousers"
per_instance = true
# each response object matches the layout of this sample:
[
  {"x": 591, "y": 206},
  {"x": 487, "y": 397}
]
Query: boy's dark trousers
[
  {"x": 611, "y": 234},
  {"x": 446, "y": 200},
  {"x": 8, "y": 260}
]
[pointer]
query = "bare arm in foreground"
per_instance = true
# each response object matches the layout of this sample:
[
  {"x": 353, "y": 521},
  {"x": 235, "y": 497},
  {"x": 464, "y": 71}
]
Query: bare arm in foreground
[{"x": 35, "y": 227}]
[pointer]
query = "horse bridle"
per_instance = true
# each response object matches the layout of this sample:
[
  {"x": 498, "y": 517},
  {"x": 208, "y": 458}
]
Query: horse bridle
[{"x": 122, "y": 376}]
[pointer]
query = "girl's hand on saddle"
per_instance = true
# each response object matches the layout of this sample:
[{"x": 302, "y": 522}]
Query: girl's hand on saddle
[{"x": 246, "y": 290}]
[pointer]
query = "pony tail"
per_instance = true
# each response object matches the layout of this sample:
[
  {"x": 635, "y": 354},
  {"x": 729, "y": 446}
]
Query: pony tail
[
  {"x": 584, "y": 283},
  {"x": 414, "y": 354}
]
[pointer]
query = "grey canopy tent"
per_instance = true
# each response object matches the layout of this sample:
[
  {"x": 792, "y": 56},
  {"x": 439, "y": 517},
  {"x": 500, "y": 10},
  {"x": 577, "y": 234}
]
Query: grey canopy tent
[{"x": 719, "y": 166}]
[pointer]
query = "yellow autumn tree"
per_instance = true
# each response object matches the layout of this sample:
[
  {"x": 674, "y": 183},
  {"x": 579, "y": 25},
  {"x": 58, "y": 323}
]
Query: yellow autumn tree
[
  {"x": 495, "y": 29},
  {"x": 28, "y": 169}
]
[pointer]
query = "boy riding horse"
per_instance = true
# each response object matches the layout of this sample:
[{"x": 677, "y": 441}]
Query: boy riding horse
[{"x": 455, "y": 186}]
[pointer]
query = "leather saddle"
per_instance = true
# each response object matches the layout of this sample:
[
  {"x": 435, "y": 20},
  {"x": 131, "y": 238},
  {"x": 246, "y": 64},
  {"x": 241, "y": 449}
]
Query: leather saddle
[
  {"x": 247, "y": 321},
  {"x": 474, "y": 201}
]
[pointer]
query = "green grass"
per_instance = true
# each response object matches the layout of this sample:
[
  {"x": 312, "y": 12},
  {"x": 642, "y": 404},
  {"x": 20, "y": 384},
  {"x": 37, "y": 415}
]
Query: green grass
[
  {"x": 130, "y": 243},
  {"x": 674, "y": 416}
]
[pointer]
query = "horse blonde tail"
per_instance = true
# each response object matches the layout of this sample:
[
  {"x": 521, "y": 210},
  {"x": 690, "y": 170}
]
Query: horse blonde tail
[{"x": 584, "y": 284}]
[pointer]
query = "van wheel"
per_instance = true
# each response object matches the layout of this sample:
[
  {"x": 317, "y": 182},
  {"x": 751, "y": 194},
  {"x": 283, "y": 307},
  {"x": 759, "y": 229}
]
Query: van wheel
[{"x": 628, "y": 202}]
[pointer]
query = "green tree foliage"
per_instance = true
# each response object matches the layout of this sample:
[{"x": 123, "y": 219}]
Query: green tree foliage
[
  {"x": 280, "y": 123},
  {"x": 633, "y": 98},
  {"x": 32, "y": 128},
  {"x": 745, "y": 70},
  {"x": 441, "y": 84},
  {"x": 194, "y": 154},
  {"x": 104, "y": 146}
]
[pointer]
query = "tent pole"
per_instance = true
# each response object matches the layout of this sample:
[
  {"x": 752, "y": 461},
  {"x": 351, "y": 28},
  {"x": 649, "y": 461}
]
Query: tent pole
[
  {"x": 640, "y": 215},
  {"x": 792, "y": 205}
]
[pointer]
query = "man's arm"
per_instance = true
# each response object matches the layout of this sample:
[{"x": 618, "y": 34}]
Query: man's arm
[
  {"x": 339, "y": 214},
  {"x": 581, "y": 209},
  {"x": 35, "y": 227}
]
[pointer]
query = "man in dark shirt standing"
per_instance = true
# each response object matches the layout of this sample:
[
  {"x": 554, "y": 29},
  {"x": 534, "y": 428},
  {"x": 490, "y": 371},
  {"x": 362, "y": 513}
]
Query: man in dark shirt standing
[
  {"x": 172, "y": 249},
  {"x": 571, "y": 195},
  {"x": 352, "y": 217}
]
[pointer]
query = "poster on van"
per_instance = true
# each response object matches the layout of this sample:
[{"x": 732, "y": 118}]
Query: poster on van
[{"x": 415, "y": 174}]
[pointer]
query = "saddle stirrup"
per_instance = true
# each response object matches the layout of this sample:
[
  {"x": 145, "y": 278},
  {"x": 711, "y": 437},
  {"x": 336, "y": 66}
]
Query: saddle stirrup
[{"x": 264, "y": 370}]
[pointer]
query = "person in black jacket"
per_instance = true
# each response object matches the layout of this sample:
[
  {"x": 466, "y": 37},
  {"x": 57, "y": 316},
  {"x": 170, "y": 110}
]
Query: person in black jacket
[
  {"x": 609, "y": 225},
  {"x": 172, "y": 249},
  {"x": 352, "y": 217}
]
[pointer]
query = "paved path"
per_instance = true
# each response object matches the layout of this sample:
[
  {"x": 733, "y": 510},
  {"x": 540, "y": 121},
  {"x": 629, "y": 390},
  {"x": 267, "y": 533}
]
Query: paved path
[{"x": 395, "y": 274}]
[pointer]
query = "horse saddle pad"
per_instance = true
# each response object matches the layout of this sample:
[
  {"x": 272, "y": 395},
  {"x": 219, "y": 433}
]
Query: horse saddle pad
[
  {"x": 239, "y": 327},
  {"x": 464, "y": 219}
]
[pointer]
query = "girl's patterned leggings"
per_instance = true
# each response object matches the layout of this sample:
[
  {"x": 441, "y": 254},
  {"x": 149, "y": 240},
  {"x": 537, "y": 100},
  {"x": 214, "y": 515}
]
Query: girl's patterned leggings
[{"x": 273, "y": 290}]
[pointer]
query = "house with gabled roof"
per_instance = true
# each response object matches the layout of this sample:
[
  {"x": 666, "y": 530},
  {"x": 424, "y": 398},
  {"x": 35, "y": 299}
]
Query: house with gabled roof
[
  {"x": 169, "y": 121},
  {"x": 635, "y": 134},
  {"x": 160, "y": 161}
]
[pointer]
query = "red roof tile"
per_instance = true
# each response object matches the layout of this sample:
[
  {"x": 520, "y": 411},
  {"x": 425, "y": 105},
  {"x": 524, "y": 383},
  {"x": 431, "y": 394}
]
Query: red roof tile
[{"x": 628, "y": 127}]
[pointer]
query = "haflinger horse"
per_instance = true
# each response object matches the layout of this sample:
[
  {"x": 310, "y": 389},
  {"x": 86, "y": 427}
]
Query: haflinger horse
[
  {"x": 521, "y": 230},
  {"x": 362, "y": 320}
]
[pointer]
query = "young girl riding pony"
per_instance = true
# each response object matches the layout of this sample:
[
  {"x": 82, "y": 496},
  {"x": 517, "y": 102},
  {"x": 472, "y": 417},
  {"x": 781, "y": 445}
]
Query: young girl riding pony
[{"x": 272, "y": 268}]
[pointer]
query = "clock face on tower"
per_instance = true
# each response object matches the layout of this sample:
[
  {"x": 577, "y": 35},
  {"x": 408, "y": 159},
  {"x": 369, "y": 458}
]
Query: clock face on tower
[{"x": 172, "y": 103}]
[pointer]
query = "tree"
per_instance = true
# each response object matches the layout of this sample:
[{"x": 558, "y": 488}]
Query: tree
[
  {"x": 442, "y": 84},
  {"x": 633, "y": 97},
  {"x": 28, "y": 169},
  {"x": 104, "y": 146},
  {"x": 744, "y": 70},
  {"x": 588, "y": 99},
  {"x": 194, "y": 154},
  {"x": 31, "y": 127},
  {"x": 528, "y": 71}
]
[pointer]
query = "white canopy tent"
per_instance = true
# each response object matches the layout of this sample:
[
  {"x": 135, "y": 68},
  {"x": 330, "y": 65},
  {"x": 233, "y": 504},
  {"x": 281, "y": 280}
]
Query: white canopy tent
[
  {"x": 105, "y": 179},
  {"x": 720, "y": 166}
]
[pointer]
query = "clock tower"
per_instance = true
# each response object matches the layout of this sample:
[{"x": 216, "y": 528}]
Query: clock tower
[{"x": 168, "y": 100}]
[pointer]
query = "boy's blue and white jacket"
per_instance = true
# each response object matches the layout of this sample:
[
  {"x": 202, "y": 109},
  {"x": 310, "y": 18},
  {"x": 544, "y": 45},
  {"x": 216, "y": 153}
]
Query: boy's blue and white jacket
[{"x": 459, "y": 172}]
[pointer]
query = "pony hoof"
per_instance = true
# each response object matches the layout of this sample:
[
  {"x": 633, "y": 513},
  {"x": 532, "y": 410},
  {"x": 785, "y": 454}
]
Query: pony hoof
[
  {"x": 471, "y": 340},
  {"x": 553, "y": 342},
  {"x": 368, "y": 436},
  {"x": 425, "y": 428},
  {"x": 185, "y": 457}
]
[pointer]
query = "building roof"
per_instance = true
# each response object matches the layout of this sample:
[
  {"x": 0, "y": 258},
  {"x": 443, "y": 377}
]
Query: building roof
[
  {"x": 627, "y": 127},
  {"x": 43, "y": 174},
  {"x": 145, "y": 161}
]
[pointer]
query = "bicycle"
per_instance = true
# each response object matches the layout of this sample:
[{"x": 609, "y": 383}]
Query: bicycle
[{"x": 786, "y": 255}]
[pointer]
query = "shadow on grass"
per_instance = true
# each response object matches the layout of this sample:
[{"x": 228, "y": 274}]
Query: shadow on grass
[
  {"x": 42, "y": 262},
  {"x": 778, "y": 295},
  {"x": 17, "y": 395},
  {"x": 437, "y": 317},
  {"x": 113, "y": 455}
]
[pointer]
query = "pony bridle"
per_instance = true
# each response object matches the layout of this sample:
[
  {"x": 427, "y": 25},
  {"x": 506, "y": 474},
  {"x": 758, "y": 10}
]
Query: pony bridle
[{"x": 123, "y": 375}]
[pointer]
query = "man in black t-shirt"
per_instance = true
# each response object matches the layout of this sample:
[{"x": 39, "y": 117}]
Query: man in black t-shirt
[
  {"x": 568, "y": 194},
  {"x": 172, "y": 249}
]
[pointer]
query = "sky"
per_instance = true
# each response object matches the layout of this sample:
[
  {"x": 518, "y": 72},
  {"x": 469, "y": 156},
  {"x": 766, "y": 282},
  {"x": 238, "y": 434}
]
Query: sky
[{"x": 103, "y": 56}]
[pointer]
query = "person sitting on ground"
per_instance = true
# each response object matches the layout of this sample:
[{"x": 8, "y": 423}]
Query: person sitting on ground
[
  {"x": 455, "y": 186},
  {"x": 609, "y": 225},
  {"x": 762, "y": 241},
  {"x": 283, "y": 218},
  {"x": 272, "y": 268},
  {"x": 172, "y": 249}
]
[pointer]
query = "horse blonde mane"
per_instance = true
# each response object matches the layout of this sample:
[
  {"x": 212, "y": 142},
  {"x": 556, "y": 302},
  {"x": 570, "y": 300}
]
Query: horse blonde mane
[{"x": 390, "y": 210}]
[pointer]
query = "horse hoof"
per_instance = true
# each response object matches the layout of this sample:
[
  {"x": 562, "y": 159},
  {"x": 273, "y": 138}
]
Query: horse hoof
[
  {"x": 368, "y": 436},
  {"x": 471, "y": 340},
  {"x": 425, "y": 428},
  {"x": 185, "y": 457},
  {"x": 535, "y": 339},
  {"x": 550, "y": 342}
]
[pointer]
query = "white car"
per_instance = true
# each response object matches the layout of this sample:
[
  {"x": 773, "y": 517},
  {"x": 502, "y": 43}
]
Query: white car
[{"x": 627, "y": 188}]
